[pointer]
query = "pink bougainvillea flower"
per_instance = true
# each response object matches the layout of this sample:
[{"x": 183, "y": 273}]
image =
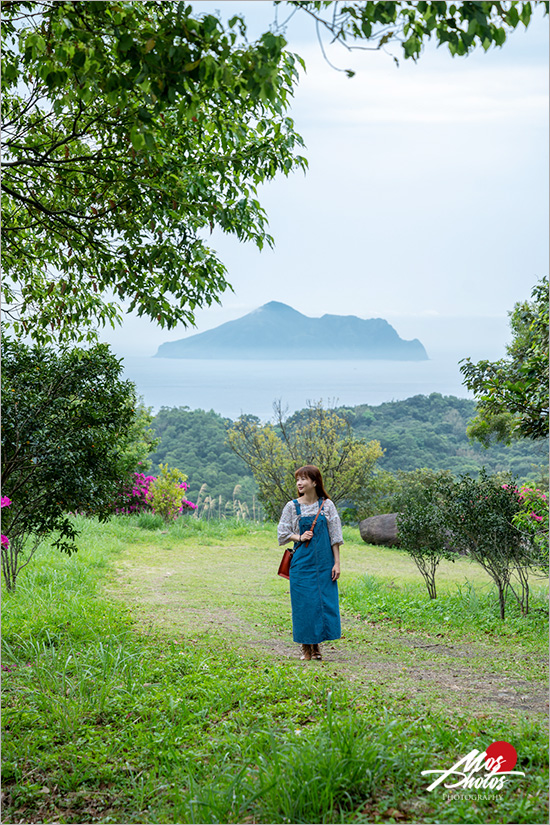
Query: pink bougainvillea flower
[
  {"x": 5, "y": 501},
  {"x": 5, "y": 541}
]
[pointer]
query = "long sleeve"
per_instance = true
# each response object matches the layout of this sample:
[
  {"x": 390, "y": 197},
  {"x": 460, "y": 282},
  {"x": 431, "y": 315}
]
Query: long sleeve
[{"x": 288, "y": 524}]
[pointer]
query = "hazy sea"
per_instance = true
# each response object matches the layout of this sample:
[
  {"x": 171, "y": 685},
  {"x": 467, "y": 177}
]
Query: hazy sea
[{"x": 234, "y": 387}]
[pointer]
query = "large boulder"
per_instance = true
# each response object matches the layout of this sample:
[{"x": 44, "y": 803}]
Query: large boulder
[{"x": 380, "y": 530}]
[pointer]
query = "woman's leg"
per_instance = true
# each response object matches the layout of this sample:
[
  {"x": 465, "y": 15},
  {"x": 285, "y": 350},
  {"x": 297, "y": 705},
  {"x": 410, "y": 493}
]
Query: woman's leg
[
  {"x": 316, "y": 652},
  {"x": 306, "y": 652}
]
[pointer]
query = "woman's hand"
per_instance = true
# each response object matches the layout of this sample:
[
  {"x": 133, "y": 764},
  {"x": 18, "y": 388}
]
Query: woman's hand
[
  {"x": 307, "y": 536},
  {"x": 336, "y": 572}
]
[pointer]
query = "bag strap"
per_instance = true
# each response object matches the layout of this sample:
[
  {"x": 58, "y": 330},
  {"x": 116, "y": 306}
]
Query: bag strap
[{"x": 316, "y": 517}]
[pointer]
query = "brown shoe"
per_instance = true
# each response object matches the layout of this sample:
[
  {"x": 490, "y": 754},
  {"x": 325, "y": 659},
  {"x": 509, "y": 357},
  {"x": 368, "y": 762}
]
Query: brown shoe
[
  {"x": 306, "y": 652},
  {"x": 316, "y": 652}
]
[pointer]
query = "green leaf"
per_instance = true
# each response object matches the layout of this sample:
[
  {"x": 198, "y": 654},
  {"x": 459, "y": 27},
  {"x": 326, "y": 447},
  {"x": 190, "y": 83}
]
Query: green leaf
[{"x": 137, "y": 138}]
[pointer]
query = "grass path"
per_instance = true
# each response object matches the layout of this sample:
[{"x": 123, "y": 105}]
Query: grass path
[{"x": 199, "y": 586}]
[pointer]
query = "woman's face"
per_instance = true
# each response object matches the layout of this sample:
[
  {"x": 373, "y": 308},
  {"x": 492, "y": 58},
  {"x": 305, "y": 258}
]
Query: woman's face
[{"x": 305, "y": 485}]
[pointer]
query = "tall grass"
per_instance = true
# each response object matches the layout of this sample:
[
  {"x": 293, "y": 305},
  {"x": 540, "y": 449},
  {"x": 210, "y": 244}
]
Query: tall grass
[{"x": 189, "y": 526}]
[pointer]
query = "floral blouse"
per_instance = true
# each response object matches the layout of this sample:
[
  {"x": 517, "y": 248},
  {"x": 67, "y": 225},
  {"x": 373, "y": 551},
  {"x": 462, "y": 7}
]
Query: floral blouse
[{"x": 289, "y": 523}]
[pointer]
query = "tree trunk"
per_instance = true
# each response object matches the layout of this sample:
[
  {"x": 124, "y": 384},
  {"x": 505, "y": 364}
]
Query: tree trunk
[
  {"x": 9, "y": 567},
  {"x": 501, "y": 599}
]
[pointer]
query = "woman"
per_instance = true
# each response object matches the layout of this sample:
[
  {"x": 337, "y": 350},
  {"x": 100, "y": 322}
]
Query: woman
[{"x": 315, "y": 564}]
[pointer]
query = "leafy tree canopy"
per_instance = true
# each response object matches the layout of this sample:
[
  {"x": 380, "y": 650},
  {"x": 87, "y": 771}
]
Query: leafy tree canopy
[
  {"x": 430, "y": 431},
  {"x": 318, "y": 436},
  {"x": 132, "y": 129},
  {"x": 129, "y": 130},
  {"x": 71, "y": 436},
  {"x": 461, "y": 27},
  {"x": 512, "y": 393}
]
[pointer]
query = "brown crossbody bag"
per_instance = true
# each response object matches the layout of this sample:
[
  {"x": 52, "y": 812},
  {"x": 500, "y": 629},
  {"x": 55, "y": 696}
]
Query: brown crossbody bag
[{"x": 284, "y": 567}]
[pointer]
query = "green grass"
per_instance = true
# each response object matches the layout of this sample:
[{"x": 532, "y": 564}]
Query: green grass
[
  {"x": 465, "y": 612},
  {"x": 110, "y": 719}
]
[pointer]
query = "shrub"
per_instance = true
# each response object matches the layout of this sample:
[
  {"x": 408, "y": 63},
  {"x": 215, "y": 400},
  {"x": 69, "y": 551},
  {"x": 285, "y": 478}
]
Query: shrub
[
  {"x": 68, "y": 429},
  {"x": 532, "y": 520},
  {"x": 422, "y": 522},
  {"x": 165, "y": 493},
  {"x": 133, "y": 498},
  {"x": 481, "y": 514}
]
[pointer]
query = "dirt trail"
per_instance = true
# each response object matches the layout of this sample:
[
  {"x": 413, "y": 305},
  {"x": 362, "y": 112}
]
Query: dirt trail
[{"x": 222, "y": 593}]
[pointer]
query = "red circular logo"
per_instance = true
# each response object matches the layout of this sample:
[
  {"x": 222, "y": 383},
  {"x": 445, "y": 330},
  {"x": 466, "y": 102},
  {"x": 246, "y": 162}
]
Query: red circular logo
[{"x": 501, "y": 756}]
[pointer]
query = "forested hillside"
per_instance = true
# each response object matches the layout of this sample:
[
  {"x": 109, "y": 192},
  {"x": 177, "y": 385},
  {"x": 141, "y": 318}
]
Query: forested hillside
[
  {"x": 423, "y": 431},
  {"x": 195, "y": 442},
  {"x": 430, "y": 431}
]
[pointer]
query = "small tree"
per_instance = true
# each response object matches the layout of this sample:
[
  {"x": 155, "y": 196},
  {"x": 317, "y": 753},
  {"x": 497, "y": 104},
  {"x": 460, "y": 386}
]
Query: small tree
[
  {"x": 481, "y": 516},
  {"x": 314, "y": 436},
  {"x": 68, "y": 422},
  {"x": 421, "y": 522}
]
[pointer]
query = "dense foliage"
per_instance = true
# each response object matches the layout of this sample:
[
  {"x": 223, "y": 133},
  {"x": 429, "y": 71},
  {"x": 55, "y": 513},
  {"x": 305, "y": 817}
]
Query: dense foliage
[
  {"x": 130, "y": 129},
  {"x": 196, "y": 441},
  {"x": 70, "y": 438},
  {"x": 512, "y": 394},
  {"x": 430, "y": 431}
]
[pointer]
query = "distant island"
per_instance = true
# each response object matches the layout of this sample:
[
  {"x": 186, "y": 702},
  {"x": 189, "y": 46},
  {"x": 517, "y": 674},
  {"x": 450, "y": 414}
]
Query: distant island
[{"x": 276, "y": 331}]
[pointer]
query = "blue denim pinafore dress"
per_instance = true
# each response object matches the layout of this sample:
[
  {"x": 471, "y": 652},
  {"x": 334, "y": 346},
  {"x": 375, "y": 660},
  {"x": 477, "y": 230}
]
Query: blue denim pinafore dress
[{"x": 313, "y": 594}]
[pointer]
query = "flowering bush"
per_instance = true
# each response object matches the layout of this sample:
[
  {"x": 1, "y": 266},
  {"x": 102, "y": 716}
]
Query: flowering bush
[
  {"x": 134, "y": 497},
  {"x": 481, "y": 519},
  {"x": 185, "y": 503},
  {"x": 5, "y": 502},
  {"x": 139, "y": 497},
  {"x": 165, "y": 493},
  {"x": 532, "y": 520}
]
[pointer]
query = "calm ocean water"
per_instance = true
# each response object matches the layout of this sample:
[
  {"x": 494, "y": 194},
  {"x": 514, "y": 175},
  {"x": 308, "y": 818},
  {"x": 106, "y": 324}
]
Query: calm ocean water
[{"x": 234, "y": 387}]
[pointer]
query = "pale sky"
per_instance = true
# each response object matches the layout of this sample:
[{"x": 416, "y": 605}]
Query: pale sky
[{"x": 426, "y": 199}]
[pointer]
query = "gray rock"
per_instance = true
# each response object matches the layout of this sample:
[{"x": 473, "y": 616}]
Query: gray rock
[{"x": 380, "y": 530}]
